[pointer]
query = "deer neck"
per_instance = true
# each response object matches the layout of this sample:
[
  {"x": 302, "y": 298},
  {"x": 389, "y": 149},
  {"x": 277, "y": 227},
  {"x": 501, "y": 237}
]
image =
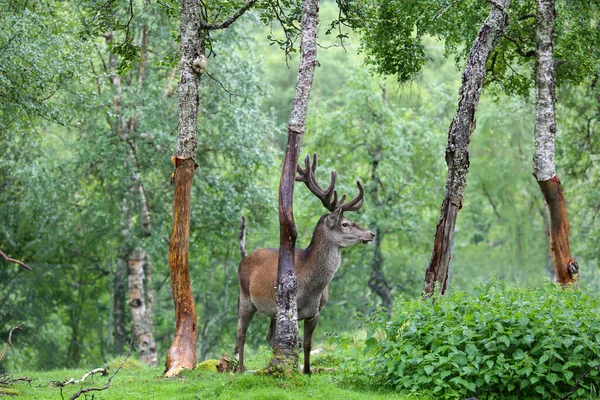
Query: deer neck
[{"x": 322, "y": 257}]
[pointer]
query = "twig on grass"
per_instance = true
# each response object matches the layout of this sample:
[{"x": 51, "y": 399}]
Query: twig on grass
[
  {"x": 107, "y": 385},
  {"x": 101, "y": 371}
]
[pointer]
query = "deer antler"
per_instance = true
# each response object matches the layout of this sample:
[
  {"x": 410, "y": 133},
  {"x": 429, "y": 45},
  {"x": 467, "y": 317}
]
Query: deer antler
[{"x": 308, "y": 176}]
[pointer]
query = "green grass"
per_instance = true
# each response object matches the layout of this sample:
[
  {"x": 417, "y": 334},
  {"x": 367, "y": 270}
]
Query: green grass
[
  {"x": 139, "y": 382},
  {"x": 147, "y": 383}
]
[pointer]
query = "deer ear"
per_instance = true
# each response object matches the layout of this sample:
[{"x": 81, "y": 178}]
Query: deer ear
[{"x": 334, "y": 217}]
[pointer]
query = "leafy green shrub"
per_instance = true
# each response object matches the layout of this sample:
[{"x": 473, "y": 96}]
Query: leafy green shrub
[{"x": 500, "y": 342}]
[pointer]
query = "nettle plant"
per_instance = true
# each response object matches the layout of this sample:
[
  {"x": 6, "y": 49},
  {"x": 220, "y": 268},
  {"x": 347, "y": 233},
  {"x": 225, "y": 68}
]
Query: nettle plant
[{"x": 500, "y": 342}]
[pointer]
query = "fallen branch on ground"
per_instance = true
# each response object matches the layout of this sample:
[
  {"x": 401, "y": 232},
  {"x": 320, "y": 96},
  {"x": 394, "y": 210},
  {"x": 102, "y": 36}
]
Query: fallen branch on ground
[
  {"x": 72, "y": 381},
  {"x": 10, "y": 345},
  {"x": 5, "y": 380},
  {"x": 107, "y": 385},
  {"x": 12, "y": 260}
]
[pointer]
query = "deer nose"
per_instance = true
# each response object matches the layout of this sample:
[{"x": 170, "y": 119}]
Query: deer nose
[{"x": 372, "y": 235}]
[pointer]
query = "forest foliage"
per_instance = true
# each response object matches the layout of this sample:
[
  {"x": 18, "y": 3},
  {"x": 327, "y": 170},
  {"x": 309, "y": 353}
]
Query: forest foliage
[{"x": 64, "y": 172}]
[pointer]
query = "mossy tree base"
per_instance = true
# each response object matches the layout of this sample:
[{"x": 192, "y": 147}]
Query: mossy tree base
[{"x": 282, "y": 365}]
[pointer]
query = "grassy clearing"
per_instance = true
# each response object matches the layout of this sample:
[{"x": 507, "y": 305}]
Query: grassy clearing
[
  {"x": 147, "y": 383},
  {"x": 139, "y": 382}
]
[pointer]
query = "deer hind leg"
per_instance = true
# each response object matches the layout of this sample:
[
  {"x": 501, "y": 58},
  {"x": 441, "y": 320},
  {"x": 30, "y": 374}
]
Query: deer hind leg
[
  {"x": 271, "y": 331},
  {"x": 246, "y": 312},
  {"x": 309, "y": 328}
]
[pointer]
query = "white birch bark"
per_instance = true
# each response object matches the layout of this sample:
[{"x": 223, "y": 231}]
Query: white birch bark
[{"x": 545, "y": 96}]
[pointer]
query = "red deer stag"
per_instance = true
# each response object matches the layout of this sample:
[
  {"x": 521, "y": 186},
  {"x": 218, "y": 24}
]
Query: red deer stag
[{"x": 315, "y": 265}]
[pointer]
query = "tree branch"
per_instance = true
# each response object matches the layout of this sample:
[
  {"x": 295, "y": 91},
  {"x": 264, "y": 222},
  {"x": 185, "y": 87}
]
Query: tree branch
[
  {"x": 93, "y": 389},
  {"x": 12, "y": 260},
  {"x": 520, "y": 50},
  {"x": 224, "y": 24},
  {"x": 10, "y": 345}
]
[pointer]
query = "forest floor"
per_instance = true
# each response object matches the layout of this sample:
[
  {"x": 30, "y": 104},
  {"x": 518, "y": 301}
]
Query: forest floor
[{"x": 134, "y": 381}]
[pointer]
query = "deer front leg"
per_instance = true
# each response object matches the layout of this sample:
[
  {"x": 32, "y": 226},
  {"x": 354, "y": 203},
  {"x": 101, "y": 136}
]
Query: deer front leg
[
  {"x": 246, "y": 312},
  {"x": 309, "y": 328}
]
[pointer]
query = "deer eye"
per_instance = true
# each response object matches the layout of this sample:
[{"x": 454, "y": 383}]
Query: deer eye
[{"x": 345, "y": 224}]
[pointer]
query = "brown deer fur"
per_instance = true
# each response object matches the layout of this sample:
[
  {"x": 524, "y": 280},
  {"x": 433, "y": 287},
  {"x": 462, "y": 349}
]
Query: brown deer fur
[{"x": 315, "y": 267}]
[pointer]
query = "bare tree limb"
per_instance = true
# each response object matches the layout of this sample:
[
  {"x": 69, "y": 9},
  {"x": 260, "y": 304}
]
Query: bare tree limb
[
  {"x": 8, "y": 259},
  {"x": 72, "y": 381},
  {"x": 107, "y": 385},
  {"x": 10, "y": 345},
  {"x": 224, "y": 24}
]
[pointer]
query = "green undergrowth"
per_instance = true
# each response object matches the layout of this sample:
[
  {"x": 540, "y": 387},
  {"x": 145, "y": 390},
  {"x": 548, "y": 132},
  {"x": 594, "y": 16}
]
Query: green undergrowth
[
  {"x": 501, "y": 342},
  {"x": 147, "y": 383}
]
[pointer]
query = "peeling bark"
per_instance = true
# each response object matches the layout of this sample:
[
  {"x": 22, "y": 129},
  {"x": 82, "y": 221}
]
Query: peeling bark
[
  {"x": 285, "y": 342},
  {"x": 457, "y": 151},
  {"x": 140, "y": 305},
  {"x": 182, "y": 353},
  {"x": 192, "y": 64},
  {"x": 544, "y": 170}
]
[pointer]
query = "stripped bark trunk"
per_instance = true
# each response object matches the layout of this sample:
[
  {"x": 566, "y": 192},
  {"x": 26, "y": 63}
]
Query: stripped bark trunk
[
  {"x": 182, "y": 353},
  {"x": 285, "y": 341},
  {"x": 192, "y": 64},
  {"x": 457, "y": 151},
  {"x": 565, "y": 267},
  {"x": 140, "y": 305}
]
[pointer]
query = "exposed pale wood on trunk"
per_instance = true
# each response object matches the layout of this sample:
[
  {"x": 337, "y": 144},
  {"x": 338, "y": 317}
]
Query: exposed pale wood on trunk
[
  {"x": 182, "y": 353},
  {"x": 565, "y": 268},
  {"x": 457, "y": 151},
  {"x": 285, "y": 341},
  {"x": 193, "y": 63}
]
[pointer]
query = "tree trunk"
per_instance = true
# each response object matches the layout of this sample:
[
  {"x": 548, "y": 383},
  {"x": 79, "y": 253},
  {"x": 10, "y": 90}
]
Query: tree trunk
[
  {"x": 140, "y": 305},
  {"x": 182, "y": 353},
  {"x": 457, "y": 151},
  {"x": 378, "y": 284},
  {"x": 119, "y": 320},
  {"x": 565, "y": 268},
  {"x": 285, "y": 341},
  {"x": 124, "y": 128}
]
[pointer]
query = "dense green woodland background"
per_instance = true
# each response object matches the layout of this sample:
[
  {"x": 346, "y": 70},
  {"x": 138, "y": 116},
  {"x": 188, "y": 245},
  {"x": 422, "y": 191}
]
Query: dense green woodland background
[{"x": 64, "y": 174}]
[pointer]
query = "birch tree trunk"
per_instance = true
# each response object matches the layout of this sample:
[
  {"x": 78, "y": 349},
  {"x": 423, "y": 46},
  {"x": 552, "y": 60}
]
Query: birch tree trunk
[
  {"x": 285, "y": 342},
  {"x": 457, "y": 150},
  {"x": 140, "y": 304},
  {"x": 193, "y": 63},
  {"x": 125, "y": 129},
  {"x": 182, "y": 353},
  {"x": 565, "y": 268}
]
